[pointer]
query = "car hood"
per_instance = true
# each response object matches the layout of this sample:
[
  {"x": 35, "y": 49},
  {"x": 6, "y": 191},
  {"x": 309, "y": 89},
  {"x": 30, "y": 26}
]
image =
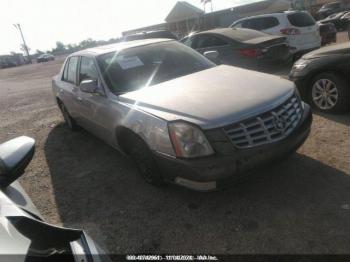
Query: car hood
[
  {"x": 339, "y": 49},
  {"x": 213, "y": 97}
]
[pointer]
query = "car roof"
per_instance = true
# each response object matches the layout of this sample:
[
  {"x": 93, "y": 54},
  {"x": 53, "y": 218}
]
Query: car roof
[
  {"x": 233, "y": 33},
  {"x": 281, "y": 14},
  {"x": 99, "y": 50}
]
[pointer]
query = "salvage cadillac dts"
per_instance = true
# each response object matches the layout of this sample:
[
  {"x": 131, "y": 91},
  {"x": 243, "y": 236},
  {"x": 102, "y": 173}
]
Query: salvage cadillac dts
[{"x": 181, "y": 118}]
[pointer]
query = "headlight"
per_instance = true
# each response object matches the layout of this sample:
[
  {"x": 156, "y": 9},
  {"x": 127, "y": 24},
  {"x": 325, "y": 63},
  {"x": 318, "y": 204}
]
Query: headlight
[
  {"x": 297, "y": 93},
  {"x": 299, "y": 65},
  {"x": 188, "y": 140}
]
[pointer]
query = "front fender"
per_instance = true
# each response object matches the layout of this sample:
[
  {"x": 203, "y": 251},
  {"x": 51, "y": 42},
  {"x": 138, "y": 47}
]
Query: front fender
[{"x": 153, "y": 130}]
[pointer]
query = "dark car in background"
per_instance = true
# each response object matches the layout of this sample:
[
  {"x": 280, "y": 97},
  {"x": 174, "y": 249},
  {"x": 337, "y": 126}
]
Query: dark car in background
[
  {"x": 24, "y": 235},
  {"x": 150, "y": 34},
  {"x": 323, "y": 78},
  {"x": 240, "y": 47},
  {"x": 328, "y": 33},
  {"x": 337, "y": 20},
  {"x": 331, "y": 8},
  {"x": 345, "y": 20},
  {"x": 45, "y": 58}
]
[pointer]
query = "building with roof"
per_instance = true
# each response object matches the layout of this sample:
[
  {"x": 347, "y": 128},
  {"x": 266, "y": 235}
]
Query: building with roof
[{"x": 185, "y": 18}]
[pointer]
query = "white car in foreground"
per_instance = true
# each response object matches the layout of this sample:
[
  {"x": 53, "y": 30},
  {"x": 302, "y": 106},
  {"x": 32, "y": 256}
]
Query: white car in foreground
[{"x": 298, "y": 27}]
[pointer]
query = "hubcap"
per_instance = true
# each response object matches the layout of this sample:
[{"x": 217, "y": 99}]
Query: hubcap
[{"x": 325, "y": 94}]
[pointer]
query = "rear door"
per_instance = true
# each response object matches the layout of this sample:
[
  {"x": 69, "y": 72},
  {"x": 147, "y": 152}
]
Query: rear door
[
  {"x": 68, "y": 85},
  {"x": 307, "y": 34}
]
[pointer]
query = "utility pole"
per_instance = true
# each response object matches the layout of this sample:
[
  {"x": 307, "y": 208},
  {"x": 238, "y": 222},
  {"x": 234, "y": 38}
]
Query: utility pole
[{"x": 18, "y": 26}]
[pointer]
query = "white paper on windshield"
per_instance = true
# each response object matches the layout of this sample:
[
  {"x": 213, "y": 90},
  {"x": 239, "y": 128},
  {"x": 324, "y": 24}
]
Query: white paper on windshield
[{"x": 129, "y": 62}]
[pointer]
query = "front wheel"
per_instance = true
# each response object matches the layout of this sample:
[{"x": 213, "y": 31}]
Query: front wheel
[
  {"x": 330, "y": 93},
  {"x": 145, "y": 161}
]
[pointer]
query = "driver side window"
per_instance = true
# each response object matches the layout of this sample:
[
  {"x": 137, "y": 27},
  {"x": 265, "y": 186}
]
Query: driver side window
[{"x": 87, "y": 69}]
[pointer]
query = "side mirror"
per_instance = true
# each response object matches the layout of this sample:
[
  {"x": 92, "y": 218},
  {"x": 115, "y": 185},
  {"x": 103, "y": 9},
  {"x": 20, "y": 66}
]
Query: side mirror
[
  {"x": 212, "y": 55},
  {"x": 88, "y": 86},
  {"x": 15, "y": 155}
]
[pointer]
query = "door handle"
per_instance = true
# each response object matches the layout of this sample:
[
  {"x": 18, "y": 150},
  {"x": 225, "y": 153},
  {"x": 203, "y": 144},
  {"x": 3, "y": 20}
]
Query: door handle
[
  {"x": 61, "y": 91},
  {"x": 79, "y": 98}
]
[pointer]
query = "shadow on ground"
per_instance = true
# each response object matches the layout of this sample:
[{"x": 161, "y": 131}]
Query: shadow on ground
[
  {"x": 340, "y": 118},
  {"x": 297, "y": 206}
]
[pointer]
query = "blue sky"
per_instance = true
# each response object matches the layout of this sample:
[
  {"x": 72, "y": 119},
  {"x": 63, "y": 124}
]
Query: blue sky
[{"x": 46, "y": 21}]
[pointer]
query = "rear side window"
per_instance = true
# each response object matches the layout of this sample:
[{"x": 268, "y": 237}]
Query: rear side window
[
  {"x": 261, "y": 23},
  {"x": 301, "y": 19},
  {"x": 269, "y": 22},
  {"x": 72, "y": 70}
]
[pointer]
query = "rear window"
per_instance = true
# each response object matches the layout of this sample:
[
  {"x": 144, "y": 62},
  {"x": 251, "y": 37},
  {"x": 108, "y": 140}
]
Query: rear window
[
  {"x": 301, "y": 19},
  {"x": 332, "y": 5}
]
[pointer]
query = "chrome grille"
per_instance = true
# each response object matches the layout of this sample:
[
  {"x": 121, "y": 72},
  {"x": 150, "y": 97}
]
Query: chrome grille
[{"x": 268, "y": 127}]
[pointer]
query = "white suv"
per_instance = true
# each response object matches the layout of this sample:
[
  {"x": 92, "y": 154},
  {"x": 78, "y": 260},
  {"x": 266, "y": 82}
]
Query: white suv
[{"x": 298, "y": 27}]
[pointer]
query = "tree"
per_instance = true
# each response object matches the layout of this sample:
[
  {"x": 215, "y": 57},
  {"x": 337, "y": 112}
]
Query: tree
[
  {"x": 23, "y": 48},
  {"x": 60, "y": 47},
  {"x": 87, "y": 43}
]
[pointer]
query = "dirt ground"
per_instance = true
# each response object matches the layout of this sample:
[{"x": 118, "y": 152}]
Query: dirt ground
[{"x": 301, "y": 205}]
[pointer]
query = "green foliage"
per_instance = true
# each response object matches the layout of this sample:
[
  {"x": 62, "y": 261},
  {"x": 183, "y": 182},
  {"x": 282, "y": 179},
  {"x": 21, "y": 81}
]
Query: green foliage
[{"x": 87, "y": 43}]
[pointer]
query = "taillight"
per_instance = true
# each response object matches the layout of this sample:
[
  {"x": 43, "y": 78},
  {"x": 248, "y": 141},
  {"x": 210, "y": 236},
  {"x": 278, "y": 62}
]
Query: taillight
[
  {"x": 249, "y": 52},
  {"x": 290, "y": 31}
]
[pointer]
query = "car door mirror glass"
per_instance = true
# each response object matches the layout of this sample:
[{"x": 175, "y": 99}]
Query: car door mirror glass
[
  {"x": 15, "y": 155},
  {"x": 88, "y": 86},
  {"x": 212, "y": 55}
]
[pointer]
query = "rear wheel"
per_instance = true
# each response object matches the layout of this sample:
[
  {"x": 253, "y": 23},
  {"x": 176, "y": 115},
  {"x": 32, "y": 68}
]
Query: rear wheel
[
  {"x": 144, "y": 160},
  {"x": 330, "y": 93},
  {"x": 67, "y": 118}
]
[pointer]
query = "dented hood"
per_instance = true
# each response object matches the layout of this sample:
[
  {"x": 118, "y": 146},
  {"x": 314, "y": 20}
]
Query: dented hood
[{"x": 213, "y": 97}]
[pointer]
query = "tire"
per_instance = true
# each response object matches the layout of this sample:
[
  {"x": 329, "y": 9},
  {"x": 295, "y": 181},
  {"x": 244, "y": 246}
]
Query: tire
[
  {"x": 70, "y": 122},
  {"x": 329, "y": 93},
  {"x": 144, "y": 160}
]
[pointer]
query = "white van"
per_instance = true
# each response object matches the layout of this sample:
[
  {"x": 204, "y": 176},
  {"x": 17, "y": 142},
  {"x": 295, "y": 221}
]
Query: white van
[{"x": 299, "y": 27}]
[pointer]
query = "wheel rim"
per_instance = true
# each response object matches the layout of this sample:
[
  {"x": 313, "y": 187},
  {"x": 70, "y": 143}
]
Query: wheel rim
[{"x": 325, "y": 94}]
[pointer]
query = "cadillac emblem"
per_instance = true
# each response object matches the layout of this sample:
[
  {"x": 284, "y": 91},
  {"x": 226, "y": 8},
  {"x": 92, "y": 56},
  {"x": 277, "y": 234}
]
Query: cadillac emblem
[{"x": 280, "y": 123}]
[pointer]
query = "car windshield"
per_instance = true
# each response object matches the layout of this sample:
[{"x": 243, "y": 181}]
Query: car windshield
[{"x": 147, "y": 65}]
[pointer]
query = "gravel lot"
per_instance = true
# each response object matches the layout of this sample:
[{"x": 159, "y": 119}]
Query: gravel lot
[{"x": 301, "y": 205}]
